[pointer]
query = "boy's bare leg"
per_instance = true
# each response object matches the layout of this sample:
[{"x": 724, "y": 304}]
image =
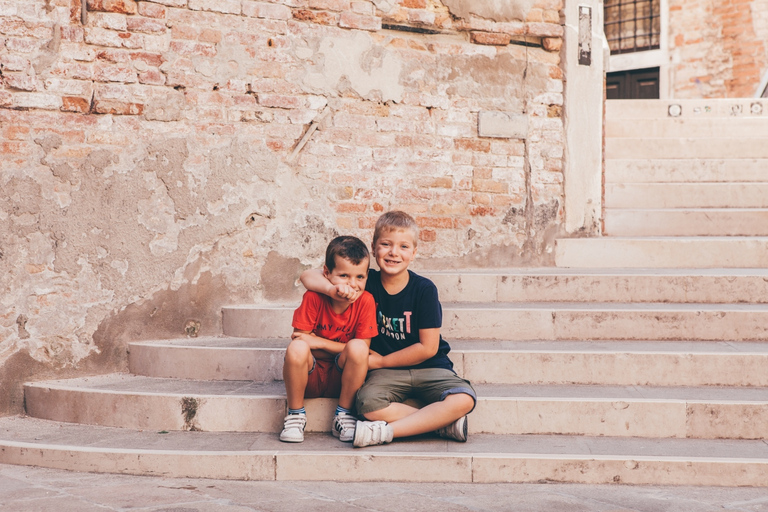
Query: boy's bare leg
[
  {"x": 298, "y": 362},
  {"x": 427, "y": 419},
  {"x": 354, "y": 361}
]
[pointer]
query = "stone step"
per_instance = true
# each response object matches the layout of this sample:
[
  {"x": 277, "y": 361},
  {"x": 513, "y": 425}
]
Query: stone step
[
  {"x": 483, "y": 458},
  {"x": 742, "y": 108},
  {"x": 127, "y": 401},
  {"x": 662, "y": 252},
  {"x": 609, "y": 363},
  {"x": 686, "y": 222},
  {"x": 686, "y": 170},
  {"x": 715, "y": 147},
  {"x": 686, "y": 195},
  {"x": 600, "y": 285},
  {"x": 557, "y": 321},
  {"x": 688, "y": 127}
]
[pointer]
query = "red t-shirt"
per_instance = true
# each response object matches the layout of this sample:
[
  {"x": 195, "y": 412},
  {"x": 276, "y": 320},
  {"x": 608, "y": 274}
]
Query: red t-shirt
[{"x": 316, "y": 315}]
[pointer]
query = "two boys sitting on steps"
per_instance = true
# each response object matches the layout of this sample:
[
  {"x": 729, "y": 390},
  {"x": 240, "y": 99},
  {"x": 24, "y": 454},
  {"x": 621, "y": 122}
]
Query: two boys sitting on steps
[{"x": 407, "y": 358}]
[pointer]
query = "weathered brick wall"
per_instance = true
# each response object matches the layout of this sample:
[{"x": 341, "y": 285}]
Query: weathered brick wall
[
  {"x": 719, "y": 49},
  {"x": 152, "y": 168}
]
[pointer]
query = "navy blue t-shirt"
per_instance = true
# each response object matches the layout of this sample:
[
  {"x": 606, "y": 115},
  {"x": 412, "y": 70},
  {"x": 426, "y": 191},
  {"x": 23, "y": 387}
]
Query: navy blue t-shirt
[{"x": 399, "y": 317}]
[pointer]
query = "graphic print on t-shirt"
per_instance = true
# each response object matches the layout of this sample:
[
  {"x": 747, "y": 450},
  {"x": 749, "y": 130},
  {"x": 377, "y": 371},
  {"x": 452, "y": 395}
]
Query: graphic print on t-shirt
[
  {"x": 395, "y": 328},
  {"x": 342, "y": 333}
]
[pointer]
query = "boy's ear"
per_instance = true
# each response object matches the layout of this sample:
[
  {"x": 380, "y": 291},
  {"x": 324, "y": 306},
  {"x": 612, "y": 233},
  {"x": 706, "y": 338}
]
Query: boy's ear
[{"x": 326, "y": 272}]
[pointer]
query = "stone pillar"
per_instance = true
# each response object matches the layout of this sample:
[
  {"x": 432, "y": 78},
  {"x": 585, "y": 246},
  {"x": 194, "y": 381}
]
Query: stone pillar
[{"x": 583, "y": 59}]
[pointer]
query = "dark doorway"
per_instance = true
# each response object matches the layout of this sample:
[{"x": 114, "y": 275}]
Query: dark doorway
[{"x": 637, "y": 84}]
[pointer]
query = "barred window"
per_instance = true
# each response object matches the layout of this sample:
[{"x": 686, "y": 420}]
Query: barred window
[{"x": 632, "y": 25}]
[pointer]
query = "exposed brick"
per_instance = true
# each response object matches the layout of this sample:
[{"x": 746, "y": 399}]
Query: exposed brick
[
  {"x": 15, "y": 131},
  {"x": 112, "y": 55},
  {"x": 118, "y": 6},
  {"x": 6, "y": 99},
  {"x": 210, "y": 35},
  {"x": 151, "y": 59},
  {"x": 359, "y": 21},
  {"x": 535, "y": 14},
  {"x": 434, "y": 222},
  {"x": 362, "y": 8},
  {"x": 544, "y": 29},
  {"x": 152, "y": 77},
  {"x": 481, "y": 211},
  {"x": 117, "y": 107},
  {"x": 21, "y": 81},
  {"x": 114, "y": 73},
  {"x": 350, "y": 207},
  {"x": 329, "y": 5},
  {"x": 152, "y": 10},
  {"x": 421, "y": 17},
  {"x": 551, "y": 16},
  {"x": 414, "y": 4},
  {"x": 472, "y": 145},
  {"x": 489, "y": 38},
  {"x": 36, "y": 100},
  {"x": 280, "y": 101},
  {"x": 267, "y": 10},
  {"x": 482, "y": 185},
  {"x": 482, "y": 173},
  {"x": 185, "y": 32},
  {"x": 427, "y": 235},
  {"x": 75, "y": 104},
  {"x": 189, "y": 48},
  {"x": 15, "y": 44},
  {"x": 320, "y": 17},
  {"x": 146, "y": 25},
  {"x": 14, "y": 63},
  {"x": 72, "y": 33},
  {"x": 222, "y": 6},
  {"x": 552, "y": 44}
]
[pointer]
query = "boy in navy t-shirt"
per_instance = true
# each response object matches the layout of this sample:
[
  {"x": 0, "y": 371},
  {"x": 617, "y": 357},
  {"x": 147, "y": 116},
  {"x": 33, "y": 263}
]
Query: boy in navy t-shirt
[{"x": 408, "y": 357}]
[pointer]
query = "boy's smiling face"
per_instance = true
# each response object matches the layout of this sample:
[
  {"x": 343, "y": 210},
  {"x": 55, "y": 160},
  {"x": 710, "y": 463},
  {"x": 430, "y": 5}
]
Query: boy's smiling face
[
  {"x": 346, "y": 272},
  {"x": 394, "y": 251}
]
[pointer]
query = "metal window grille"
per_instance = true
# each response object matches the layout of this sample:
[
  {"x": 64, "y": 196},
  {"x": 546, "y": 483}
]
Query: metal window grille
[{"x": 632, "y": 25}]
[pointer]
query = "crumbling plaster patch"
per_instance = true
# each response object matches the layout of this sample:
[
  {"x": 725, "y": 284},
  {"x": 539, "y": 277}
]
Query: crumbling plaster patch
[
  {"x": 370, "y": 70},
  {"x": 496, "y": 10}
]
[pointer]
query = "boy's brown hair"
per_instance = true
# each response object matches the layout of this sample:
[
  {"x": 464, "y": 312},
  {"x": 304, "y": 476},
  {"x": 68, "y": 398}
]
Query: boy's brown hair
[
  {"x": 393, "y": 220},
  {"x": 350, "y": 248}
]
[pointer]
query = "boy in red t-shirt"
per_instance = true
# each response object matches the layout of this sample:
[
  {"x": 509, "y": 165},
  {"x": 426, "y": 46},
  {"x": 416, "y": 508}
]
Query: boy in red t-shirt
[{"x": 328, "y": 353}]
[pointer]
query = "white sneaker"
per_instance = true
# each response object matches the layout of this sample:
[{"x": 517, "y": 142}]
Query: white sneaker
[
  {"x": 456, "y": 430},
  {"x": 293, "y": 431},
  {"x": 368, "y": 433},
  {"x": 343, "y": 427}
]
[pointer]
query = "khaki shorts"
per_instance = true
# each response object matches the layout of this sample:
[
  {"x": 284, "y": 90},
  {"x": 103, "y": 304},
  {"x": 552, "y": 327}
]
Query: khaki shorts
[{"x": 425, "y": 385}]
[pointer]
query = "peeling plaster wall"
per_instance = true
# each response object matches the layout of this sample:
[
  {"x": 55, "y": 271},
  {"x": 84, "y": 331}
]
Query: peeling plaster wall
[{"x": 146, "y": 168}]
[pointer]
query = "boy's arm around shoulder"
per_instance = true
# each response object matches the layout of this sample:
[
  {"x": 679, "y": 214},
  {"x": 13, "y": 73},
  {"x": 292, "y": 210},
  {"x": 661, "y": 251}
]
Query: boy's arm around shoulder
[{"x": 314, "y": 280}]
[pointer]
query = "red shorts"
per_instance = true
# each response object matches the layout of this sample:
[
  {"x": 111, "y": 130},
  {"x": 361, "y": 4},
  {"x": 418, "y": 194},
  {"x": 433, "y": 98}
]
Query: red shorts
[{"x": 324, "y": 379}]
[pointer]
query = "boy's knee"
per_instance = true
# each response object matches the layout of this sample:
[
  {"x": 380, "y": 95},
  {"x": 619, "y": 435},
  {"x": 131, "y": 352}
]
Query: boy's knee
[
  {"x": 463, "y": 402},
  {"x": 297, "y": 352},
  {"x": 357, "y": 351}
]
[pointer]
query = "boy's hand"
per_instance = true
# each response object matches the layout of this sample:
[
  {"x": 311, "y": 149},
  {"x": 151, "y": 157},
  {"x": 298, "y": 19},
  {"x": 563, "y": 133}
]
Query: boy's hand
[
  {"x": 375, "y": 360},
  {"x": 314, "y": 342},
  {"x": 346, "y": 292}
]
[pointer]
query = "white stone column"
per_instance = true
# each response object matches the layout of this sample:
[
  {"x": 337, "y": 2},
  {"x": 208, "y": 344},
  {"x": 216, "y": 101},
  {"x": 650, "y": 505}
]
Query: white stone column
[{"x": 583, "y": 60}]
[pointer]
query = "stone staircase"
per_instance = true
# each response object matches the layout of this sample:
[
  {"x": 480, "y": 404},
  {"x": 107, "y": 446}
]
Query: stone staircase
[
  {"x": 603, "y": 372},
  {"x": 686, "y": 184}
]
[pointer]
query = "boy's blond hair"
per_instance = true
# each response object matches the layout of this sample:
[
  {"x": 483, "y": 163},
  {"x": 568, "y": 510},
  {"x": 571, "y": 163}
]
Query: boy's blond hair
[{"x": 394, "y": 220}]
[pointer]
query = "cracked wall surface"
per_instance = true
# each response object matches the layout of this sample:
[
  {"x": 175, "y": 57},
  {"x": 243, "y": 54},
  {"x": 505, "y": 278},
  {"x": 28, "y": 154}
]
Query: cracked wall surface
[{"x": 146, "y": 168}]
